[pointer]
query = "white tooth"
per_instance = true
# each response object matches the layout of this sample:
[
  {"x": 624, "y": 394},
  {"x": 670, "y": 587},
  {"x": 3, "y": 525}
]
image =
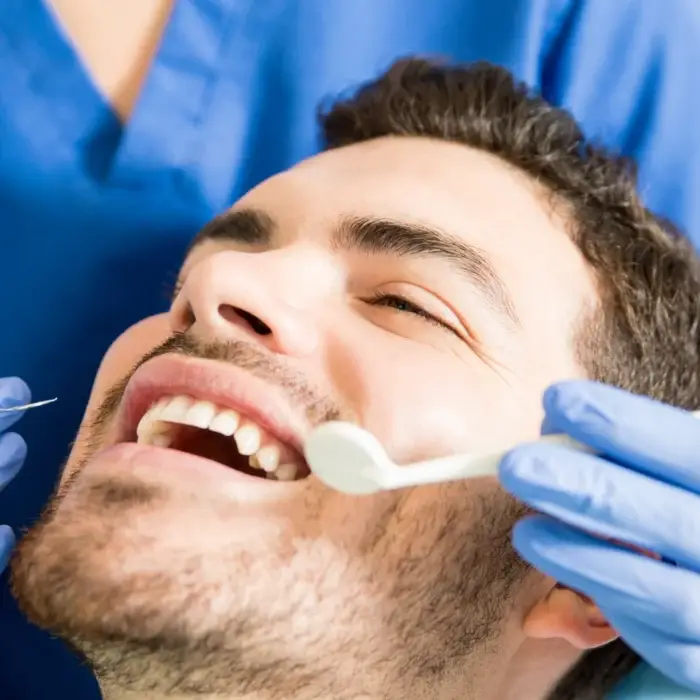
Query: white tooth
[
  {"x": 268, "y": 457},
  {"x": 248, "y": 439},
  {"x": 144, "y": 426},
  {"x": 286, "y": 472},
  {"x": 200, "y": 414},
  {"x": 155, "y": 433},
  {"x": 150, "y": 417},
  {"x": 158, "y": 407},
  {"x": 176, "y": 409},
  {"x": 225, "y": 422}
]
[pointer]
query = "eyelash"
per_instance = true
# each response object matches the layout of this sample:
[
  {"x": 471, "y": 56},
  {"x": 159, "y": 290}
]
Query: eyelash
[{"x": 400, "y": 303}]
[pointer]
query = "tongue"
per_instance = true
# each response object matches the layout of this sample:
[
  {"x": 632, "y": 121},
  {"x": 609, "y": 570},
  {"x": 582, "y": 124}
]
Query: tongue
[{"x": 213, "y": 446}]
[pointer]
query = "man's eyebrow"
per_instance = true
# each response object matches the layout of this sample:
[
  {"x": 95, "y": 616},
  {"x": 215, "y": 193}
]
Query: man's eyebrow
[
  {"x": 379, "y": 236},
  {"x": 398, "y": 238},
  {"x": 248, "y": 226}
]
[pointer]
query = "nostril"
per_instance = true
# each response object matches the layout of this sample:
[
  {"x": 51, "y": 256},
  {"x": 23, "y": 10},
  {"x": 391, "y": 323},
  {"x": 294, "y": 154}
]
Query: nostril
[
  {"x": 255, "y": 323},
  {"x": 234, "y": 314}
]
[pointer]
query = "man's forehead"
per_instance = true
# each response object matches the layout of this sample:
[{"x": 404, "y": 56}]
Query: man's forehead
[{"x": 471, "y": 194}]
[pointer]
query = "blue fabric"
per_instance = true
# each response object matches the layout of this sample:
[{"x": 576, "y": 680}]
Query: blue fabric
[
  {"x": 647, "y": 684},
  {"x": 95, "y": 216}
]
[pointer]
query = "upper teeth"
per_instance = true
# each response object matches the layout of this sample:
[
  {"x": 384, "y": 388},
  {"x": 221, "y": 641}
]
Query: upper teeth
[{"x": 265, "y": 453}]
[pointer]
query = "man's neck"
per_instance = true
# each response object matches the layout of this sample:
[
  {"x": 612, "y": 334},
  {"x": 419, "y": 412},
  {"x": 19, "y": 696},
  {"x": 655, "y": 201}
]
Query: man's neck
[{"x": 535, "y": 670}]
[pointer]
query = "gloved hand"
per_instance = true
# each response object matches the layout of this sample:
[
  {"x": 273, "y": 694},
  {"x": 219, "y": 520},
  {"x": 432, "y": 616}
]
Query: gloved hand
[
  {"x": 643, "y": 490},
  {"x": 13, "y": 450}
]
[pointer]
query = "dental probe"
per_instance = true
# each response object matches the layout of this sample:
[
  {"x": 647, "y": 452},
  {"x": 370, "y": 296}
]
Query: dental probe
[
  {"x": 351, "y": 460},
  {"x": 27, "y": 406}
]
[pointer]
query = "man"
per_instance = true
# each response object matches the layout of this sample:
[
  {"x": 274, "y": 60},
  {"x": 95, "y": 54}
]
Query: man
[
  {"x": 456, "y": 249},
  {"x": 128, "y": 124}
]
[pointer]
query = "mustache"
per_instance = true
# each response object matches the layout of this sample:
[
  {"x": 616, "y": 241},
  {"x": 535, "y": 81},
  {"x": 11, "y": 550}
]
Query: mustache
[{"x": 317, "y": 406}]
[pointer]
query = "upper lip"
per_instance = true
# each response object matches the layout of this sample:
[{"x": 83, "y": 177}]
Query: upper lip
[{"x": 226, "y": 386}]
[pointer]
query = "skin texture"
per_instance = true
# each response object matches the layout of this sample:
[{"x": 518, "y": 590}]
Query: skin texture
[{"x": 179, "y": 587}]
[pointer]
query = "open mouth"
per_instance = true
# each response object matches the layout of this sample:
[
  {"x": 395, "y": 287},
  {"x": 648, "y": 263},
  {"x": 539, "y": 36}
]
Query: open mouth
[{"x": 221, "y": 435}]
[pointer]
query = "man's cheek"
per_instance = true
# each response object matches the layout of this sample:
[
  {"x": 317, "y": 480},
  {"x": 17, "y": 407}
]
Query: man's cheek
[{"x": 124, "y": 353}]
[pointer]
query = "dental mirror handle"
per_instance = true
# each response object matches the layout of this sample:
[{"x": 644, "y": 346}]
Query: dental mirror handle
[{"x": 459, "y": 467}]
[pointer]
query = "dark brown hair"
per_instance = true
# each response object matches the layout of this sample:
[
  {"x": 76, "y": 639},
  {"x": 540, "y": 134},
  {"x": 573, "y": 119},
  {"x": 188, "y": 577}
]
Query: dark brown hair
[{"x": 643, "y": 332}]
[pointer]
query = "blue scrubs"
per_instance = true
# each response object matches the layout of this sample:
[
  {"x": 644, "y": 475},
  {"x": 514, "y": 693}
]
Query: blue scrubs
[
  {"x": 646, "y": 684},
  {"x": 94, "y": 215}
]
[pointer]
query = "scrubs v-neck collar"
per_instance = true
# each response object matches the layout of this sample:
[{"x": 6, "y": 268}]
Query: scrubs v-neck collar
[{"x": 157, "y": 145}]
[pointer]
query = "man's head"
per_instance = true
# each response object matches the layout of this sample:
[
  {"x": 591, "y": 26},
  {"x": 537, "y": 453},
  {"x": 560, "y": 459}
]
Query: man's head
[{"x": 455, "y": 249}]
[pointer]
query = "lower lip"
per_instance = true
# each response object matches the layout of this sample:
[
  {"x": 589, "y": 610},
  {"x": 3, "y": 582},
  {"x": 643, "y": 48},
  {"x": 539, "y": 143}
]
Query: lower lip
[{"x": 166, "y": 464}]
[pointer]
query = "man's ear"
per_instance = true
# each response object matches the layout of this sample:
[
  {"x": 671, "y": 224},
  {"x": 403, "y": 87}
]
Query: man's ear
[{"x": 566, "y": 614}]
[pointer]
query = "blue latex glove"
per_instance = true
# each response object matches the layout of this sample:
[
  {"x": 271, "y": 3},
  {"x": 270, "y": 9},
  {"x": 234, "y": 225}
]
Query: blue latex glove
[
  {"x": 13, "y": 450},
  {"x": 644, "y": 490}
]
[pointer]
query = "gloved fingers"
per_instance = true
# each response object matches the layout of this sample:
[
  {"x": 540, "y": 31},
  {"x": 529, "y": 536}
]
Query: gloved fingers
[
  {"x": 13, "y": 450},
  {"x": 13, "y": 392},
  {"x": 605, "y": 499},
  {"x": 636, "y": 431},
  {"x": 7, "y": 543},
  {"x": 677, "y": 659},
  {"x": 664, "y": 596}
]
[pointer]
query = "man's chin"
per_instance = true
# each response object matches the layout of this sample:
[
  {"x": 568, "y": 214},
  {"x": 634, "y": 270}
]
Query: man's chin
[
  {"x": 116, "y": 556},
  {"x": 149, "y": 615},
  {"x": 102, "y": 558},
  {"x": 123, "y": 573},
  {"x": 68, "y": 571}
]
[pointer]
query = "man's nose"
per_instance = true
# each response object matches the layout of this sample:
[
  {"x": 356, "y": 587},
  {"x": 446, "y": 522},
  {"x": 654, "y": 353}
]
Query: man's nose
[{"x": 255, "y": 296}]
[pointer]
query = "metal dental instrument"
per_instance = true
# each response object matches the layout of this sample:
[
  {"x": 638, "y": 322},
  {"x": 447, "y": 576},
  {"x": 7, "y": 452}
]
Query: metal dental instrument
[
  {"x": 27, "y": 406},
  {"x": 351, "y": 460}
]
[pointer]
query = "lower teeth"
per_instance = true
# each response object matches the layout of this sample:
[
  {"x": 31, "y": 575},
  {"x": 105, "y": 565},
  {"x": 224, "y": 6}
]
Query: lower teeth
[{"x": 166, "y": 438}]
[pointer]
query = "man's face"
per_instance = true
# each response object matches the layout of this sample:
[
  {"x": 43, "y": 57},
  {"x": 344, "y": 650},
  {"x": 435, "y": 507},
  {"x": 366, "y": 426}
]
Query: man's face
[{"x": 421, "y": 289}]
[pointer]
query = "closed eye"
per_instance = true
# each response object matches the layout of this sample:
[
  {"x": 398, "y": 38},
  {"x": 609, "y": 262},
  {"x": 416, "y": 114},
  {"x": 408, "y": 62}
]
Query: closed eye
[{"x": 399, "y": 303}]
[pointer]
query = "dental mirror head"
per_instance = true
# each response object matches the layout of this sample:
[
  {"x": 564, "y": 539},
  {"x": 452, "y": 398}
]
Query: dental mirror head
[{"x": 346, "y": 458}]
